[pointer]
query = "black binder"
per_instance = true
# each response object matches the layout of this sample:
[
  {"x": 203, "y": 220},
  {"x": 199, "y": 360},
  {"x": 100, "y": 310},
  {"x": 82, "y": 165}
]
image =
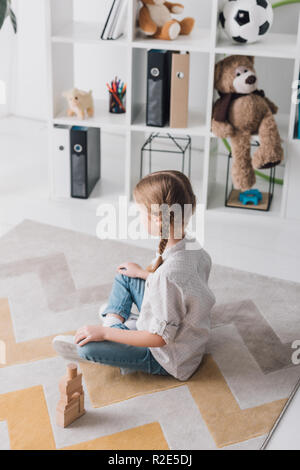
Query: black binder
[
  {"x": 158, "y": 88},
  {"x": 85, "y": 160}
]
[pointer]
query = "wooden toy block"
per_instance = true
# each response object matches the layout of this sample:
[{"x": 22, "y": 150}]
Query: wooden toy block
[
  {"x": 66, "y": 417},
  {"x": 74, "y": 406},
  {"x": 81, "y": 402},
  {"x": 61, "y": 406},
  {"x": 71, "y": 371},
  {"x": 60, "y": 419},
  {"x": 65, "y": 399},
  {"x": 71, "y": 415},
  {"x": 71, "y": 404},
  {"x": 70, "y": 386}
]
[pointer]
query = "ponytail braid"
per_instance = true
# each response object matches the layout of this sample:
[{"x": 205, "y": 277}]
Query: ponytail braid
[
  {"x": 165, "y": 188},
  {"x": 164, "y": 238}
]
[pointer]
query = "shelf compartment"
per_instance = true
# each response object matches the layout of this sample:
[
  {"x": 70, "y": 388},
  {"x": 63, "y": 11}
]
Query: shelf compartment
[
  {"x": 271, "y": 74},
  {"x": 199, "y": 64},
  {"x": 197, "y": 125},
  {"x": 217, "y": 189},
  {"x": 87, "y": 68},
  {"x": 199, "y": 40},
  {"x": 111, "y": 184},
  {"x": 165, "y": 161},
  {"x": 102, "y": 117},
  {"x": 85, "y": 33},
  {"x": 216, "y": 203},
  {"x": 275, "y": 45}
]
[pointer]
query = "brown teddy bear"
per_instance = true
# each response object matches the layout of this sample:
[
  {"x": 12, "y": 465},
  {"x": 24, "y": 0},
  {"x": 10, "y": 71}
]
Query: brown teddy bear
[
  {"x": 155, "y": 20},
  {"x": 242, "y": 111}
]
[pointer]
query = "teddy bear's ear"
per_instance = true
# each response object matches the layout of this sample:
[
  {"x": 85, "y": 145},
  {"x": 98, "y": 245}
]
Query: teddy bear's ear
[
  {"x": 218, "y": 72},
  {"x": 251, "y": 58}
]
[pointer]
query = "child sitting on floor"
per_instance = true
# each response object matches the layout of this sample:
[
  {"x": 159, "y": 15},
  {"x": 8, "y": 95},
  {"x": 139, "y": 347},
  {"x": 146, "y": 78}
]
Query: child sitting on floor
[{"x": 172, "y": 294}]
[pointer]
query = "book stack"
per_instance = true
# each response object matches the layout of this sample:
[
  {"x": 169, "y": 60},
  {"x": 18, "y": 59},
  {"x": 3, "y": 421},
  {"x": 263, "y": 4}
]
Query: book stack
[
  {"x": 114, "y": 26},
  {"x": 167, "y": 88}
]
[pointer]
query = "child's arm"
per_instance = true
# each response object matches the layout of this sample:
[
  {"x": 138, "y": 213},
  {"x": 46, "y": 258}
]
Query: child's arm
[
  {"x": 132, "y": 270},
  {"x": 142, "y": 339}
]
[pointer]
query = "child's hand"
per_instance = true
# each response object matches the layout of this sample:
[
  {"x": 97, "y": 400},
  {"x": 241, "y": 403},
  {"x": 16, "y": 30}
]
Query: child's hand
[
  {"x": 132, "y": 270},
  {"x": 87, "y": 334}
]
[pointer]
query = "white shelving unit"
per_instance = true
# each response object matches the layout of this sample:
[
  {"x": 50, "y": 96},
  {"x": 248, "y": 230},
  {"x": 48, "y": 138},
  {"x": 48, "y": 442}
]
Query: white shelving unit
[
  {"x": 206, "y": 46},
  {"x": 274, "y": 45}
]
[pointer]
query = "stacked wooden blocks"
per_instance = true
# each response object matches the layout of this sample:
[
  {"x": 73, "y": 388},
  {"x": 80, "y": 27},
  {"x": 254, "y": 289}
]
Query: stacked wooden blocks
[{"x": 71, "y": 403}]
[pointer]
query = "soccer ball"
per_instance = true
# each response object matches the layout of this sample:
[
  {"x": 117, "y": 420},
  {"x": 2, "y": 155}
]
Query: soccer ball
[{"x": 246, "y": 21}]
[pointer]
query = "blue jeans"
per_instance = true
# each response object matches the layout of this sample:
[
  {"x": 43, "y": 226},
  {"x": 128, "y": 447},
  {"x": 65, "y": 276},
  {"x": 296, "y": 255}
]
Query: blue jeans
[{"x": 125, "y": 292}]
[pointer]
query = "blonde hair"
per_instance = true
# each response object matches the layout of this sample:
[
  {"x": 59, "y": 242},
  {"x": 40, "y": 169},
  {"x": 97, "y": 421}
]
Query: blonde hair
[{"x": 168, "y": 189}]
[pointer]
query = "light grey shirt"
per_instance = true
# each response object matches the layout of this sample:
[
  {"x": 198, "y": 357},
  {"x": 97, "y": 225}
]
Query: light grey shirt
[{"x": 177, "y": 304}]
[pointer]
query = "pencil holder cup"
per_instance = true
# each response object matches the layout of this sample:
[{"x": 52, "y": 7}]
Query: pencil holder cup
[{"x": 117, "y": 104}]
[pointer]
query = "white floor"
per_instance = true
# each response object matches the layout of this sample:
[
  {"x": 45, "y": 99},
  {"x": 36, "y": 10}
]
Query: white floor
[{"x": 264, "y": 245}]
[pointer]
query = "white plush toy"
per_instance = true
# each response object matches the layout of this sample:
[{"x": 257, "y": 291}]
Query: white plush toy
[
  {"x": 80, "y": 103},
  {"x": 246, "y": 21}
]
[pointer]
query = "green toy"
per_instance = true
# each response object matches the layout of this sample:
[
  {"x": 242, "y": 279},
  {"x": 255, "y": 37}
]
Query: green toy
[{"x": 284, "y": 2}]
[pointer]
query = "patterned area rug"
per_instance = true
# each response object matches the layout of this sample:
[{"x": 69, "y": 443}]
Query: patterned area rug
[{"x": 53, "y": 280}]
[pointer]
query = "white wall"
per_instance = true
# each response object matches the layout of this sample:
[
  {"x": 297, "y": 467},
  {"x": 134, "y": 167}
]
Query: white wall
[{"x": 30, "y": 90}]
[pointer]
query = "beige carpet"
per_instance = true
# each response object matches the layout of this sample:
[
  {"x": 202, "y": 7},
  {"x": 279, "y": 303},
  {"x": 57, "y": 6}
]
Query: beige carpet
[
  {"x": 225, "y": 420},
  {"x": 53, "y": 280}
]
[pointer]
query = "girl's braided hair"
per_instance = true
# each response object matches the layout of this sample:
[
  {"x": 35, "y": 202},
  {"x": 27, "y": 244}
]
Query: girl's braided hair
[{"x": 166, "y": 190}]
